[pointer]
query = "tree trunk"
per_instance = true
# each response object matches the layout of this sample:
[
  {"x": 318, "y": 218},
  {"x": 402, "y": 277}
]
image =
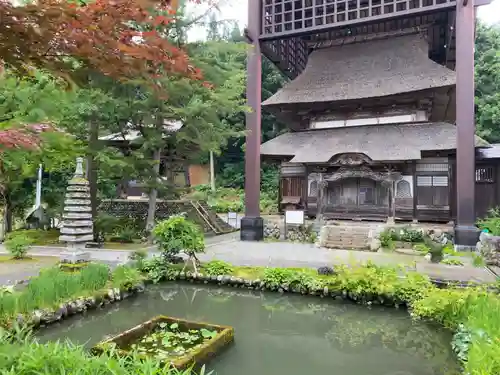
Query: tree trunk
[
  {"x": 92, "y": 172},
  {"x": 7, "y": 215},
  {"x": 150, "y": 222},
  {"x": 212, "y": 172}
]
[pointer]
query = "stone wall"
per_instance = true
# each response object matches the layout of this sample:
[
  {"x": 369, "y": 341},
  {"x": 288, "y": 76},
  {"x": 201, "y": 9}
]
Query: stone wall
[
  {"x": 302, "y": 233},
  {"x": 367, "y": 236}
]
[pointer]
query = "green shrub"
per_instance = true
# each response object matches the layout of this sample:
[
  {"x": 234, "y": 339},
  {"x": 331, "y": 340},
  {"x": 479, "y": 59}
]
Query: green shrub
[
  {"x": 25, "y": 356},
  {"x": 491, "y": 222},
  {"x": 477, "y": 311},
  {"x": 158, "y": 269},
  {"x": 124, "y": 234},
  {"x": 138, "y": 257},
  {"x": 178, "y": 234},
  {"x": 52, "y": 287},
  {"x": 275, "y": 277},
  {"x": 452, "y": 262},
  {"x": 385, "y": 238},
  {"x": 478, "y": 260},
  {"x": 39, "y": 237},
  {"x": 217, "y": 268},
  {"x": 125, "y": 277},
  {"x": 422, "y": 248},
  {"x": 116, "y": 229},
  {"x": 411, "y": 235},
  {"x": 18, "y": 246}
]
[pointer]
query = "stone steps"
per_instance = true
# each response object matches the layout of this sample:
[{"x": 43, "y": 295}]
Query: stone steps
[{"x": 345, "y": 237}]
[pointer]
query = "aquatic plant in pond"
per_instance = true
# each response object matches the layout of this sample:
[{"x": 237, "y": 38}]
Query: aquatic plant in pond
[
  {"x": 167, "y": 341},
  {"x": 174, "y": 342}
]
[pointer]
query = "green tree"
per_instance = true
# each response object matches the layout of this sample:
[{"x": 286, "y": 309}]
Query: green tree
[
  {"x": 487, "y": 74},
  {"x": 23, "y": 101},
  {"x": 230, "y": 163}
]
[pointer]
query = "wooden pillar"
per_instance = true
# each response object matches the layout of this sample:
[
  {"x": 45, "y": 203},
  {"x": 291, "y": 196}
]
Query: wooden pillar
[
  {"x": 320, "y": 202},
  {"x": 466, "y": 233},
  {"x": 252, "y": 225},
  {"x": 414, "y": 195}
]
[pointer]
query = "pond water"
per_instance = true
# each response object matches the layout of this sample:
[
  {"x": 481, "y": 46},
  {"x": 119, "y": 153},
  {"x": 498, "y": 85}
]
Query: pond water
[{"x": 281, "y": 334}]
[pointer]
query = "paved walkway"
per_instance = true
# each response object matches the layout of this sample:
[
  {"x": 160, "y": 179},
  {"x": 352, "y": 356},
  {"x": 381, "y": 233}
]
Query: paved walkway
[{"x": 285, "y": 254}]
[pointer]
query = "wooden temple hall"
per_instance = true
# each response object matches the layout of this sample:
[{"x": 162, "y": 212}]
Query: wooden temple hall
[{"x": 380, "y": 111}]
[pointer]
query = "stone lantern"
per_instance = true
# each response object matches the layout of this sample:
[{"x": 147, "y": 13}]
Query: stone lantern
[{"x": 77, "y": 224}]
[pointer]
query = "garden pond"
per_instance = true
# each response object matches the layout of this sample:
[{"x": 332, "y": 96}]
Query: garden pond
[{"x": 280, "y": 334}]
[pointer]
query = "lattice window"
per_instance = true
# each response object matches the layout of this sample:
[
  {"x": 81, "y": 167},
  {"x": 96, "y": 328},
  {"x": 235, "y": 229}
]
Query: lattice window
[
  {"x": 290, "y": 54},
  {"x": 282, "y": 16},
  {"x": 432, "y": 167},
  {"x": 485, "y": 175},
  {"x": 403, "y": 189},
  {"x": 441, "y": 181}
]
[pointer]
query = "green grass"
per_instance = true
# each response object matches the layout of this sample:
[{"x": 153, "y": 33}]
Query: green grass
[
  {"x": 7, "y": 259},
  {"x": 54, "y": 286}
]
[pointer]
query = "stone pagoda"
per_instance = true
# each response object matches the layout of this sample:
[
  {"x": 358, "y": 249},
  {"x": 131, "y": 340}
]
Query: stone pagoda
[{"x": 77, "y": 225}]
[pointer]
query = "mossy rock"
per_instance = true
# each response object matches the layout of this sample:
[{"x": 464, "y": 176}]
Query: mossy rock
[{"x": 73, "y": 267}]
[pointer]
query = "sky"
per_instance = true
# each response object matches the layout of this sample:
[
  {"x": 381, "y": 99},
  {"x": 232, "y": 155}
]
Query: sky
[{"x": 237, "y": 10}]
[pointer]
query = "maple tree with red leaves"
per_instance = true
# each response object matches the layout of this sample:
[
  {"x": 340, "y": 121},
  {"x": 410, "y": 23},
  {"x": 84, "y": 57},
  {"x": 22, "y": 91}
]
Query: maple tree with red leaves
[
  {"x": 73, "y": 40},
  {"x": 26, "y": 137},
  {"x": 100, "y": 36}
]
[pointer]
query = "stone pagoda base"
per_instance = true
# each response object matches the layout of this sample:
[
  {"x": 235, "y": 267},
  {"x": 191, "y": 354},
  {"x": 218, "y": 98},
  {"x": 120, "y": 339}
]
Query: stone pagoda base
[
  {"x": 77, "y": 226},
  {"x": 74, "y": 257}
]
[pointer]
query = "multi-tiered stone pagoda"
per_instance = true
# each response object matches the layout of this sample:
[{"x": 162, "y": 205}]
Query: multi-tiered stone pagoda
[{"x": 77, "y": 226}]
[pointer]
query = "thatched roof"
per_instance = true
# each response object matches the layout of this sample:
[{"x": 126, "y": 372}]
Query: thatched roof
[
  {"x": 378, "y": 142},
  {"x": 491, "y": 153},
  {"x": 130, "y": 134},
  {"x": 365, "y": 70}
]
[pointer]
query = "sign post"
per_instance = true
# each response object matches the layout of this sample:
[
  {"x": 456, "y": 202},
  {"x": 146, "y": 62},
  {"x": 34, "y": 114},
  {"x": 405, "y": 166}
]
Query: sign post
[{"x": 293, "y": 217}]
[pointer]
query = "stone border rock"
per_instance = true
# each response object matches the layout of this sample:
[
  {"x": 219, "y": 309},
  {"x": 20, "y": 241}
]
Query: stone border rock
[{"x": 44, "y": 317}]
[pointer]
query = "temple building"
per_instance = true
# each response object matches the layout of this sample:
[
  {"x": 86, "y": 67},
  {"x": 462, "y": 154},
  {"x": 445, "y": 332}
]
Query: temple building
[
  {"x": 381, "y": 126},
  {"x": 176, "y": 170},
  {"x": 372, "y": 125}
]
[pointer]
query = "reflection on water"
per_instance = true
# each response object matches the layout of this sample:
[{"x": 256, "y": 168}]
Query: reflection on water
[{"x": 282, "y": 334}]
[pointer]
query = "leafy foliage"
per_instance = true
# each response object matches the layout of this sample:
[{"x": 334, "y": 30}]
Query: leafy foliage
[
  {"x": 491, "y": 222},
  {"x": 177, "y": 234},
  {"x": 217, "y": 268},
  {"x": 52, "y": 287},
  {"x": 18, "y": 246},
  {"x": 118, "y": 39},
  {"x": 487, "y": 75},
  {"x": 452, "y": 262},
  {"x": 24, "y": 355},
  {"x": 158, "y": 269},
  {"x": 36, "y": 236},
  {"x": 124, "y": 277},
  {"x": 168, "y": 341},
  {"x": 226, "y": 200}
]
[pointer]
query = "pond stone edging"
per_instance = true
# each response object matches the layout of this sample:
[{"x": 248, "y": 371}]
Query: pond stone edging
[{"x": 80, "y": 305}]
